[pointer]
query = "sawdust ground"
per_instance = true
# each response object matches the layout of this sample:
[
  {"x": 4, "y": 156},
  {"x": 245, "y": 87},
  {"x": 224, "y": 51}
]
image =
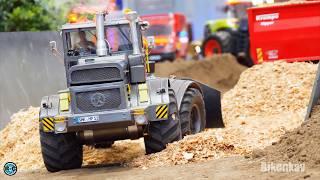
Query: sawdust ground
[
  {"x": 298, "y": 146},
  {"x": 253, "y": 121},
  {"x": 268, "y": 100}
]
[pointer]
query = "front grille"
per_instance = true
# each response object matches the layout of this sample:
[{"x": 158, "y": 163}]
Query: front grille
[
  {"x": 99, "y": 100},
  {"x": 105, "y": 74}
]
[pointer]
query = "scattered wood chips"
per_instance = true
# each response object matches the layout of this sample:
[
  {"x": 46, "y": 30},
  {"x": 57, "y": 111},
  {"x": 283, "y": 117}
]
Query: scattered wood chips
[{"x": 268, "y": 100}]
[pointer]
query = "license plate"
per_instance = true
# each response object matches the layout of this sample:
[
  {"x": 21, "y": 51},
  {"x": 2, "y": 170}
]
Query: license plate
[
  {"x": 86, "y": 119},
  {"x": 155, "y": 58}
]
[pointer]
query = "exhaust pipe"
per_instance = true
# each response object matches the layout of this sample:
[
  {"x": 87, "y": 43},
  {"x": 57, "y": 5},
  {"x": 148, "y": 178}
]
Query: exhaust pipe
[
  {"x": 132, "y": 18},
  {"x": 101, "y": 42},
  {"x": 113, "y": 134}
]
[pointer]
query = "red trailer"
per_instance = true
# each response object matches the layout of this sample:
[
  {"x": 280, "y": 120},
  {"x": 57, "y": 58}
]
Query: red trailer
[{"x": 289, "y": 31}]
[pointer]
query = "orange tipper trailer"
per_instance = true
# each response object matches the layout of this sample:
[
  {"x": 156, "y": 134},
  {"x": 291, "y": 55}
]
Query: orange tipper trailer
[{"x": 171, "y": 33}]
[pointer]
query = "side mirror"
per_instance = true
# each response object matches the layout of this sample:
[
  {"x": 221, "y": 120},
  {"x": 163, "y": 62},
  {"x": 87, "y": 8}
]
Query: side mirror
[
  {"x": 55, "y": 51},
  {"x": 53, "y": 46},
  {"x": 151, "y": 42},
  {"x": 144, "y": 25}
]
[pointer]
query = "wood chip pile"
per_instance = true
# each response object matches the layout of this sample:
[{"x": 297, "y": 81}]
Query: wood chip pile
[
  {"x": 270, "y": 89},
  {"x": 194, "y": 148},
  {"x": 20, "y": 141},
  {"x": 20, "y": 144},
  {"x": 268, "y": 100}
]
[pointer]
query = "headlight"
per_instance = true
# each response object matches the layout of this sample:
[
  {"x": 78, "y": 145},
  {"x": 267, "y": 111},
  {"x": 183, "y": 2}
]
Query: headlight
[
  {"x": 140, "y": 119},
  {"x": 60, "y": 124},
  {"x": 139, "y": 116},
  {"x": 61, "y": 127},
  {"x": 169, "y": 47}
]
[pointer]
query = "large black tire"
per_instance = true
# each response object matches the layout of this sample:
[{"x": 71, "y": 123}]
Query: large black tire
[
  {"x": 192, "y": 112},
  {"x": 61, "y": 151},
  {"x": 160, "y": 133},
  {"x": 226, "y": 39},
  {"x": 223, "y": 39}
]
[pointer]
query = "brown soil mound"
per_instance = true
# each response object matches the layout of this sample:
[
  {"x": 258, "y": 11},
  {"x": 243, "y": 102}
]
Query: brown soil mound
[
  {"x": 301, "y": 145},
  {"x": 221, "y": 72}
]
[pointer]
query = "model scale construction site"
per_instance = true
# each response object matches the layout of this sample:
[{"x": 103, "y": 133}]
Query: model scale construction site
[{"x": 125, "y": 116}]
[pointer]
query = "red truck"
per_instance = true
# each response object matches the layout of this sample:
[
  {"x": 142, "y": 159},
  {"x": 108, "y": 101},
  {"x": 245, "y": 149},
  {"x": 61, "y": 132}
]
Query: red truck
[
  {"x": 289, "y": 31},
  {"x": 172, "y": 35}
]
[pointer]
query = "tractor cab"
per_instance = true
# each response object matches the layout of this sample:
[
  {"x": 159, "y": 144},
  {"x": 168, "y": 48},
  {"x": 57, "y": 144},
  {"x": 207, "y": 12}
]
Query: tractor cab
[
  {"x": 231, "y": 35},
  {"x": 236, "y": 9}
]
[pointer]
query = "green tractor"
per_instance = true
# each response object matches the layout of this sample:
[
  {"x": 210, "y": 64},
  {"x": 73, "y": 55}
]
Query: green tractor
[{"x": 229, "y": 35}]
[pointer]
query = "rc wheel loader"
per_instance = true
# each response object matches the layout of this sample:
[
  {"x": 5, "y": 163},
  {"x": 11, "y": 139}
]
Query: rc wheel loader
[{"x": 112, "y": 94}]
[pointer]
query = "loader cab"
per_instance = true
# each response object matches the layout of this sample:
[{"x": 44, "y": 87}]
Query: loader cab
[{"x": 80, "y": 41}]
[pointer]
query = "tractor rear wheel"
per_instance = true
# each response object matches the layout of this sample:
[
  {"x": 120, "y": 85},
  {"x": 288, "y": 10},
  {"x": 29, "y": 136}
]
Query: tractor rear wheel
[
  {"x": 218, "y": 43},
  {"x": 61, "y": 151},
  {"x": 160, "y": 133},
  {"x": 192, "y": 112}
]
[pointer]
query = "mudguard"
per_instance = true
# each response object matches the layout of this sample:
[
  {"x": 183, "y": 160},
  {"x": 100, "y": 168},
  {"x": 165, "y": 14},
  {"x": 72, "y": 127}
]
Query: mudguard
[
  {"x": 211, "y": 96},
  {"x": 53, "y": 102},
  {"x": 221, "y": 24}
]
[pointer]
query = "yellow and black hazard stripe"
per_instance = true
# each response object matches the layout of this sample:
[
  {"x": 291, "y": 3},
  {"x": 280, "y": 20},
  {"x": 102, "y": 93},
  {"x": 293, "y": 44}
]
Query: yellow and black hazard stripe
[
  {"x": 260, "y": 55},
  {"x": 129, "y": 92},
  {"x": 162, "y": 112},
  {"x": 48, "y": 124}
]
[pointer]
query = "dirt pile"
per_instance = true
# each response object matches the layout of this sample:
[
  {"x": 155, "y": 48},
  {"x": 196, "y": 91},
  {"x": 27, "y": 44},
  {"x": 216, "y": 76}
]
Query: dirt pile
[
  {"x": 301, "y": 145},
  {"x": 221, "y": 72}
]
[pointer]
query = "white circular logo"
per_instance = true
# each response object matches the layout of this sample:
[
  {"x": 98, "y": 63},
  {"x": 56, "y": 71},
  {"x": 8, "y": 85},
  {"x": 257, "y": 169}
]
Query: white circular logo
[{"x": 98, "y": 99}]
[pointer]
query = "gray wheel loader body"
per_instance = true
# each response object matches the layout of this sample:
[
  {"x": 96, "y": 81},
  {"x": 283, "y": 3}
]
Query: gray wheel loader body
[{"x": 112, "y": 95}]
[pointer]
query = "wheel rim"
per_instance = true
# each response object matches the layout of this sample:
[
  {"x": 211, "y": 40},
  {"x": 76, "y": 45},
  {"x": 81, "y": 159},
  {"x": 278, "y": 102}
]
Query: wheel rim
[
  {"x": 195, "y": 124},
  {"x": 212, "y": 47}
]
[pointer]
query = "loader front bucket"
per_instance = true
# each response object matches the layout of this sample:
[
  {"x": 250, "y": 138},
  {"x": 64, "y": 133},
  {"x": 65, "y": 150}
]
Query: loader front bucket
[{"x": 212, "y": 100}]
